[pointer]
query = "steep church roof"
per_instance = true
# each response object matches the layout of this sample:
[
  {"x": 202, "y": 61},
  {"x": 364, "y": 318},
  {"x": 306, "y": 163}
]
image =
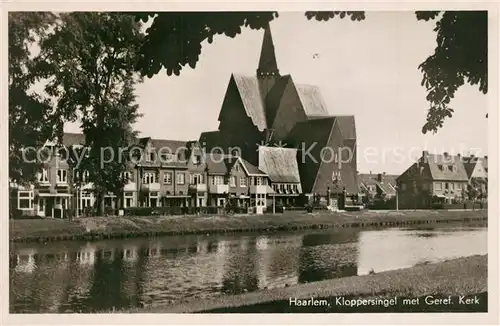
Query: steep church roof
[{"x": 267, "y": 63}]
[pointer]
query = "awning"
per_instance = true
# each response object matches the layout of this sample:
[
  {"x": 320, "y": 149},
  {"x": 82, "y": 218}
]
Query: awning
[{"x": 270, "y": 190}]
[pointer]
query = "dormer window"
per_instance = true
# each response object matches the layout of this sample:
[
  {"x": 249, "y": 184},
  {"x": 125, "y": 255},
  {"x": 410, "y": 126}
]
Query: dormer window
[
  {"x": 450, "y": 168},
  {"x": 237, "y": 168},
  {"x": 440, "y": 167},
  {"x": 151, "y": 157},
  {"x": 196, "y": 159},
  {"x": 43, "y": 177}
]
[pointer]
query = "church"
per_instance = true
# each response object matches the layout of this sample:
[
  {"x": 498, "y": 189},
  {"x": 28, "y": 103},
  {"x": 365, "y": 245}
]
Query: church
[{"x": 263, "y": 114}]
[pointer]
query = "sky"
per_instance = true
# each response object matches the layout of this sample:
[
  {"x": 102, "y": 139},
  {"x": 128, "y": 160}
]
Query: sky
[{"x": 367, "y": 69}]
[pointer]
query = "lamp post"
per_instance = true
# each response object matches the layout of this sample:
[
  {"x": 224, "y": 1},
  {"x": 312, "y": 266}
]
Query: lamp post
[{"x": 397, "y": 198}]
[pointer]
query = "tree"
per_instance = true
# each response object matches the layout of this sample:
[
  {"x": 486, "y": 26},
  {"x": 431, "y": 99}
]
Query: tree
[
  {"x": 174, "y": 41},
  {"x": 30, "y": 120},
  {"x": 89, "y": 65}
]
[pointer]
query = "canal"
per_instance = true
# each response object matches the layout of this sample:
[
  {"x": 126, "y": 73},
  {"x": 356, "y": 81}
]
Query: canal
[{"x": 64, "y": 277}]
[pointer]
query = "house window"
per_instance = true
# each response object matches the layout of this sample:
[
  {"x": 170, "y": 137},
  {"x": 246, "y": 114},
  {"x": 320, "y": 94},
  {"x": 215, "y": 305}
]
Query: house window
[
  {"x": 167, "y": 178},
  {"x": 243, "y": 181},
  {"x": 43, "y": 177},
  {"x": 217, "y": 180},
  {"x": 281, "y": 188},
  {"x": 233, "y": 181},
  {"x": 153, "y": 199},
  {"x": 452, "y": 186},
  {"x": 128, "y": 199},
  {"x": 196, "y": 159},
  {"x": 439, "y": 186},
  {"x": 288, "y": 188},
  {"x": 127, "y": 176},
  {"x": 85, "y": 176},
  {"x": 459, "y": 186},
  {"x": 25, "y": 200},
  {"x": 151, "y": 157},
  {"x": 237, "y": 168},
  {"x": 62, "y": 176},
  {"x": 259, "y": 181},
  {"x": 196, "y": 179},
  {"x": 149, "y": 177},
  {"x": 295, "y": 189},
  {"x": 85, "y": 199},
  {"x": 181, "y": 178},
  {"x": 403, "y": 186},
  {"x": 166, "y": 157},
  {"x": 446, "y": 185}
]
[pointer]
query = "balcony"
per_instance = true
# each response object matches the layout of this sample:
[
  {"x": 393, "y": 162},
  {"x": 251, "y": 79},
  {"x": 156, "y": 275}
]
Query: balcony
[
  {"x": 152, "y": 186},
  {"x": 261, "y": 189},
  {"x": 218, "y": 189},
  {"x": 200, "y": 187},
  {"x": 130, "y": 186}
]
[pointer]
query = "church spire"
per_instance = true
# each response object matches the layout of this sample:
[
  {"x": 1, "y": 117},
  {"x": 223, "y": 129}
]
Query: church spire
[{"x": 267, "y": 62}]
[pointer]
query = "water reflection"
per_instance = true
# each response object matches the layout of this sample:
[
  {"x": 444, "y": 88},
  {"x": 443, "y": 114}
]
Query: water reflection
[{"x": 119, "y": 274}]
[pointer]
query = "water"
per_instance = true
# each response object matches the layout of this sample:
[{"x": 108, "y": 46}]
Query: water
[{"x": 119, "y": 274}]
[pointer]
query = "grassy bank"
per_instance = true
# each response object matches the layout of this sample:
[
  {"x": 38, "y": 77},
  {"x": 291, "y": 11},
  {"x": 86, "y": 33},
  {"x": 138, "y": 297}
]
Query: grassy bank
[
  {"x": 96, "y": 228},
  {"x": 463, "y": 276}
]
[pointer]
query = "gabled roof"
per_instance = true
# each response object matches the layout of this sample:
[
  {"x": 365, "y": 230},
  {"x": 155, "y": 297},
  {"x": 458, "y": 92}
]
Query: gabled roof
[
  {"x": 312, "y": 101},
  {"x": 251, "y": 169},
  {"x": 249, "y": 90},
  {"x": 470, "y": 163},
  {"x": 435, "y": 161},
  {"x": 280, "y": 164},
  {"x": 222, "y": 163},
  {"x": 386, "y": 185}
]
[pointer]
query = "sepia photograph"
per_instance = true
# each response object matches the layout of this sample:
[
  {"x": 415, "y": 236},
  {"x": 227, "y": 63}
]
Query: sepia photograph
[{"x": 263, "y": 162}]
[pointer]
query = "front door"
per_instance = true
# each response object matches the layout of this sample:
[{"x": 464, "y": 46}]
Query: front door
[
  {"x": 41, "y": 207},
  {"x": 49, "y": 206}
]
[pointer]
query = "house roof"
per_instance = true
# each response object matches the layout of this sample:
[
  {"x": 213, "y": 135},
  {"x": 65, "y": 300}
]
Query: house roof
[
  {"x": 435, "y": 161},
  {"x": 312, "y": 101},
  {"x": 280, "y": 164},
  {"x": 470, "y": 163},
  {"x": 222, "y": 163},
  {"x": 252, "y": 169}
]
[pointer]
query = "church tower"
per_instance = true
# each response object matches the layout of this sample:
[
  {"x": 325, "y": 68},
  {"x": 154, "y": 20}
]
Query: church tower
[{"x": 267, "y": 63}]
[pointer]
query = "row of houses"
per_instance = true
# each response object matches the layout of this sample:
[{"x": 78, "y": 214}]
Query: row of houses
[
  {"x": 280, "y": 129},
  {"x": 433, "y": 178},
  {"x": 160, "y": 178}
]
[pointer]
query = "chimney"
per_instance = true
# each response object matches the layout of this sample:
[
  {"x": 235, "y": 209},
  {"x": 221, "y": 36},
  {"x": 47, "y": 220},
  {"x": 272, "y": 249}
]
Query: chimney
[
  {"x": 384, "y": 173},
  {"x": 370, "y": 172},
  {"x": 486, "y": 156},
  {"x": 472, "y": 155},
  {"x": 424, "y": 156},
  {"x": 379, "y": 177},
  {"x": 459, "y": 155},
  {"x": 446, "y": 154}
]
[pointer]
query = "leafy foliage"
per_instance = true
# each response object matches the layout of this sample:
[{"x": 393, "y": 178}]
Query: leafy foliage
[
  {"x": 89, "y": 63},
  {"x": 30, "y": 118},
  {"x": 460, "y": 56}
]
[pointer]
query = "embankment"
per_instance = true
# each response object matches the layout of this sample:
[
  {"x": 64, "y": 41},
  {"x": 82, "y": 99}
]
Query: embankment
[
  {"x": 454, "y": 278},
  {"x": 97, "y": 228}
]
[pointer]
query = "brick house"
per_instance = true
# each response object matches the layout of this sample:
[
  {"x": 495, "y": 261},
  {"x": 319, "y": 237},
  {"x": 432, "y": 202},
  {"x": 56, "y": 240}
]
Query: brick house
[
  {"x": 233, "y": 177},
  {"x": 380, "y": 185},
  {"x": 433, "y": 178}
]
